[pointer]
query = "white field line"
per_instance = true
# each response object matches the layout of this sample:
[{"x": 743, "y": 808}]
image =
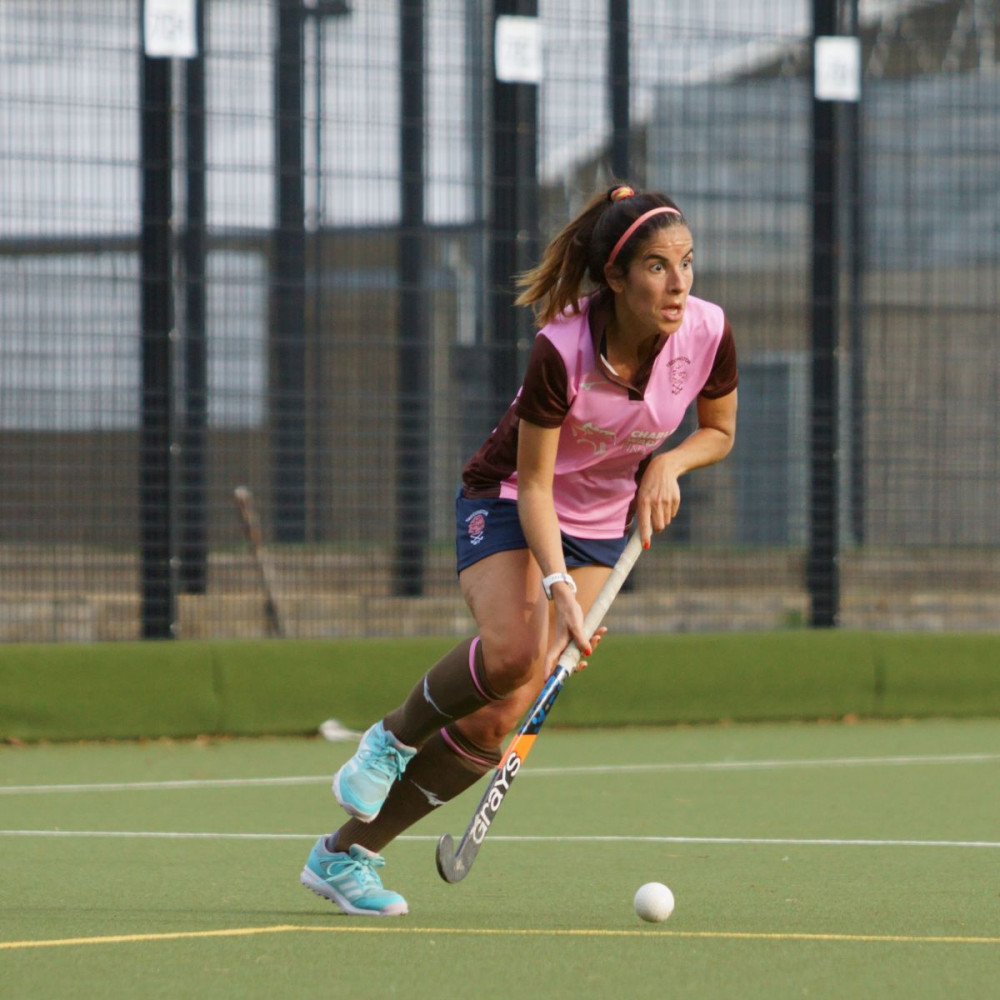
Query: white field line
[
  {"x": 511, "y": 839},
  {"x": 540, "y": 772},
  {"x": 164, "y": 786}
]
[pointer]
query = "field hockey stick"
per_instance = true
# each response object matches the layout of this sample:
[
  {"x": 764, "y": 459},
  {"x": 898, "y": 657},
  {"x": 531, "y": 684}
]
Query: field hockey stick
[
  {"x": 454, "y": 864},
  {"x": 251, "y": 528}
]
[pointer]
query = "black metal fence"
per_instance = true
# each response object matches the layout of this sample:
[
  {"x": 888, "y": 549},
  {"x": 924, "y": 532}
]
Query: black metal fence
[{"x": 269, "y": 244}]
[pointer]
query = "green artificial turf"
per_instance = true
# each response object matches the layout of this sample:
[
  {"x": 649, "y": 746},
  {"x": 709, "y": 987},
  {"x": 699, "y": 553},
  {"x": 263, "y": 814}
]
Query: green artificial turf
[{"x": 820, "y": 860}]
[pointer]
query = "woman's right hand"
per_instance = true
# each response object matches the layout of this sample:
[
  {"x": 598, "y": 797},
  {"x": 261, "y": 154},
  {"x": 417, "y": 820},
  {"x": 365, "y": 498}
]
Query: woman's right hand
[{"x": 569, "y": 628}]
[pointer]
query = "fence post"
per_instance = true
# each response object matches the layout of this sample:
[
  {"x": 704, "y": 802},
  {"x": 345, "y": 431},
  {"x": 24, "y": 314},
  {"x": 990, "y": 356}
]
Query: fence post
[
  {"x": 822, "y": 568},
  {"x": 288, "y": 260},
  {"x": 514, "y": 219},
  {"x": 156, "y": 513},
  {"x": 413, "y": 430},
  {"x": 619, "y": 52},
  {"x": 857, "y": 266},
  {"x": 193, "y": 513}
]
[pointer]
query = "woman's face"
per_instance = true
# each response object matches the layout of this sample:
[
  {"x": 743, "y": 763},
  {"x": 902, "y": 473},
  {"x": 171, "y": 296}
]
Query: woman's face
[{"x": 651, "y": 296}]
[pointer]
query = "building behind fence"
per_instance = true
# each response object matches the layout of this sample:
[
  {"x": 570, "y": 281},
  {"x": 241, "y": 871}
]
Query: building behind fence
[{"x": 281, "y": 256}]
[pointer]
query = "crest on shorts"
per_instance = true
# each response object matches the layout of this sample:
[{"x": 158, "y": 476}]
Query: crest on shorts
[{"x": 476, "y": 523}]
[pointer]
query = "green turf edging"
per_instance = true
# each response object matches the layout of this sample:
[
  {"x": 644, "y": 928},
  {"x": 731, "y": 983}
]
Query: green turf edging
[
  {"x": 953, "y": 674},
  {"x": 290, "y": 686},
  {"x": 106, "y": 690},
  {"x": 641, "y": 679},
  {"x": 134, "y": 690},
  {"x": 178, "y": 689}
]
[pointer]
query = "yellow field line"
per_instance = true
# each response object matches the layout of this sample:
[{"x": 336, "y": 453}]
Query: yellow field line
[
  {"x": 133, "y": 938},
  {"x": 501, "y": 932}
]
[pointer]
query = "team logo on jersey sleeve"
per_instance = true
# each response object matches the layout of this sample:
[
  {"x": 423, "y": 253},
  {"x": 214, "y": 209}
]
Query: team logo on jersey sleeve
[{"x": 476, "y": 523}]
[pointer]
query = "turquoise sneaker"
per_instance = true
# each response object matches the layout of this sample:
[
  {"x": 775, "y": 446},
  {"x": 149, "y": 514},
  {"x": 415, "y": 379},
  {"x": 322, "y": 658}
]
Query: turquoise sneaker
[
  {"x": 349, "y": 879},
  {"x": 362, "y": 784}
]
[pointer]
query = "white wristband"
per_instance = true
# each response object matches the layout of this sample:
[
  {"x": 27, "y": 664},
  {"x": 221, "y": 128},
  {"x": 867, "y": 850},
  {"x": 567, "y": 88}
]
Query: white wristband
[{"x": 558, "y": 578}]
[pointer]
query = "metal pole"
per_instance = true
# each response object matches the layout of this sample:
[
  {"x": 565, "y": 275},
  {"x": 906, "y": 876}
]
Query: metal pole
[
  {"x": 822, "y": 570},
  {"x": 194, "y": 515},
  {"x": 854, "y": 118},
  {"x": 413, "y": 432},
  {"x": 321, "y": 477},
  {"x": 515, "y": 217},
  {"x": 156, "y": 514},
  {"x": 321, "y": 327},
  {"x": 620, "y": 87},
  {"x": 288, "y": 331}
]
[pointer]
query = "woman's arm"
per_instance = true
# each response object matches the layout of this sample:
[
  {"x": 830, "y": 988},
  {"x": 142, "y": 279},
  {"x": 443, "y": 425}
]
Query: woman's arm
[
  {"x": 536, "y": 460},
  {"x": 659, "y": 494}
]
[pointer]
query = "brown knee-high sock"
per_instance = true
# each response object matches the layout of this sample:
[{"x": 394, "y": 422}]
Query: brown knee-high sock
[
  {"x": 455, "y": 686},
  {"x": 446, "y": 765}
]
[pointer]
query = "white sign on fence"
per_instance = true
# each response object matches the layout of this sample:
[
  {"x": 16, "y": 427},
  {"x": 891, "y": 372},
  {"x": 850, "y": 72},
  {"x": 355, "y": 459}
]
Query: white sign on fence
[
  {"x": 169, "y": 30},
  {"x": 517, "y": 44},
  {"x": 838, "y": 68}
]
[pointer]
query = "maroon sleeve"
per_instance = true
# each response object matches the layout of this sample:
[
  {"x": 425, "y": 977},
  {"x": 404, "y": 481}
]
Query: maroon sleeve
[
  {"x": 544, "y": 393},
  {"x": 724, "y": 376}
]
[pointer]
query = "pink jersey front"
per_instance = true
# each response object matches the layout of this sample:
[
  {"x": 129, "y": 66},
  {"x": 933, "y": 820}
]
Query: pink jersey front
[{"x": 608, "y": 431}]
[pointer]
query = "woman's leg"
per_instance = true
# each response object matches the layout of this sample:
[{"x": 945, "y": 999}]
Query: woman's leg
[
  {"x": 488, "y": 667},
  {"x": 455, "y": 757},
  {"x": 437, "y": 759},
  {"x": 493, "y": 722}
]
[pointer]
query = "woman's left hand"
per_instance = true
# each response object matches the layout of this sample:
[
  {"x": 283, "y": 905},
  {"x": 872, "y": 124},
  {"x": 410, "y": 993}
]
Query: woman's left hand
[{"x": 658, "y": 498}]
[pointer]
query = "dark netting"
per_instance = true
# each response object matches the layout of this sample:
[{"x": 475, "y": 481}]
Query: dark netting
[{"x": 272, "y": 246}]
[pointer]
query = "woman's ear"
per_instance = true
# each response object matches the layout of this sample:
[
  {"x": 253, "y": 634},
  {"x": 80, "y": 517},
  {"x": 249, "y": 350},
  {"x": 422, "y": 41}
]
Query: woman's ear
[{"x": 614, "y": 278}]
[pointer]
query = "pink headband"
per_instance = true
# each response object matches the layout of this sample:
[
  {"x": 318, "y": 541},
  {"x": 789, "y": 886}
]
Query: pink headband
[{"x": 635, "y": 225}]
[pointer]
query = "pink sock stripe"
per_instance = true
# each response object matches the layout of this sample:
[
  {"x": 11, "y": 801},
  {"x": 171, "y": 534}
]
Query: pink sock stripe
[
  {"x": 465, "y": 753},
  {"x": 472, "y": 669}
]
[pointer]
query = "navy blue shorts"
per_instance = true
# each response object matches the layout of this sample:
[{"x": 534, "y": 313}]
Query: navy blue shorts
[{"x": 483, "y": 527}]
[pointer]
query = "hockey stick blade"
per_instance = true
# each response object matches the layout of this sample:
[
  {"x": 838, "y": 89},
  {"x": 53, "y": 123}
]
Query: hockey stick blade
[
  {"x": 450, "y": 865},
  {"x": 453, "y": 863}
]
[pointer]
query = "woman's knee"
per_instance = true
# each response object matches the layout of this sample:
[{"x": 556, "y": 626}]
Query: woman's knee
[
  {"x": 491, "y": 725},
  {"x": 511, "y": 662}
]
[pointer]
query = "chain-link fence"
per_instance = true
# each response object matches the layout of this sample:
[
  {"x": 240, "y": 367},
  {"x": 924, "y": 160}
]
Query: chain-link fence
[{"x": 270, "y": 244}]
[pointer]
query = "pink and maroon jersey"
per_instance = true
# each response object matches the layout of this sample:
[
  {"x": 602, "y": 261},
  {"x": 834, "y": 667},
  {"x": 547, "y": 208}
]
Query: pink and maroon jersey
[{"x": 610, "y": 429}]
